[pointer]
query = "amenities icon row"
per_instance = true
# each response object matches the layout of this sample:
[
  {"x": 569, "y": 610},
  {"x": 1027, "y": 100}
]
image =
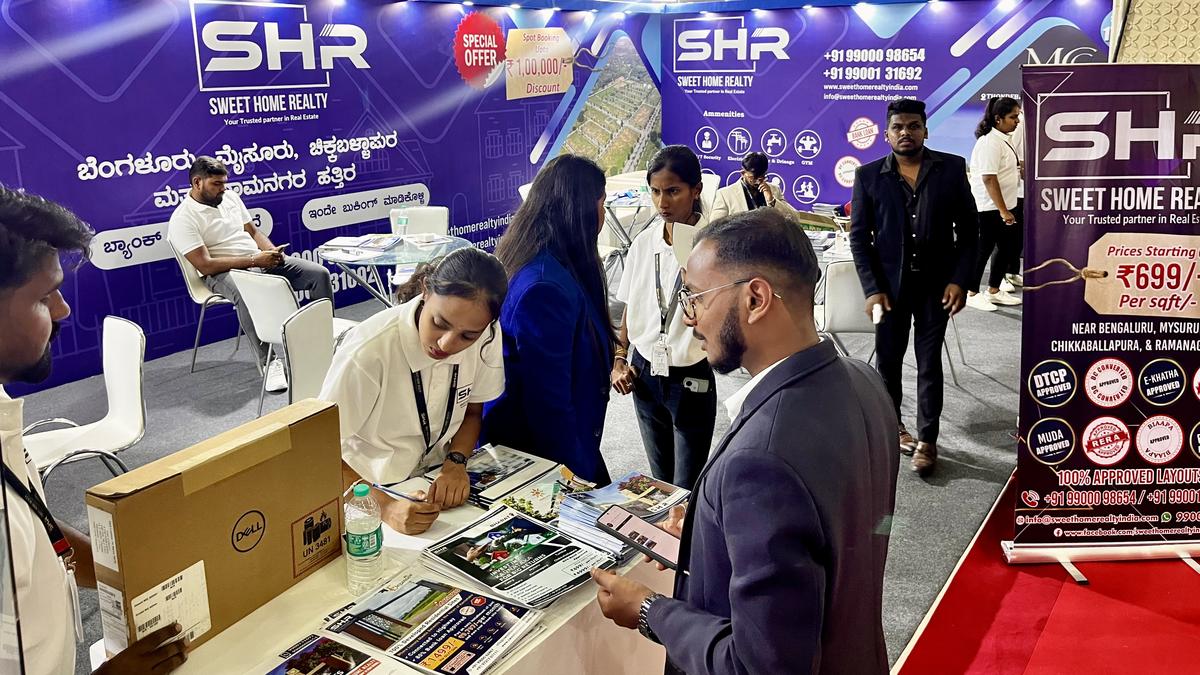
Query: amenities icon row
[{"x": 773, "y": 142}]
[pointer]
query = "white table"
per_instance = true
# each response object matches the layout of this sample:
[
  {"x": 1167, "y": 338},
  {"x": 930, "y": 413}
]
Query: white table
[{"x": 577, "y": 638}]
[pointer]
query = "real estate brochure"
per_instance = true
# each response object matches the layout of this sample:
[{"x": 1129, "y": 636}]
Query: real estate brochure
[
  {"x": 542, "y": 497},
  {"x": 325, "y": 655},
  {"x": 495, "y": 471},
  {"x": 645, "y": 497}
]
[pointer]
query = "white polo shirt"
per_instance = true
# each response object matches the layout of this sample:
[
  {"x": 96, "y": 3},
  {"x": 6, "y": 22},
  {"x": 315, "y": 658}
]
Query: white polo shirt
[
  {"x": 994, "y": 155},
  {"x": 371, "y": 381},
  {"x": 638, "y": 292},
  {"x": 222, "y": 229},
  {"x": 43, "y": 594}
]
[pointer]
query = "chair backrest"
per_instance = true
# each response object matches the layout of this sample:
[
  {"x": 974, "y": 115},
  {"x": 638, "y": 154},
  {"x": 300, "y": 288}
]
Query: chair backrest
[
  {"x": 428, "y": 219},
  {"x": 308, "y": 347},
  {"x": 844, "y": 300},
  {"x": 269, "y": 299},
  {"x": 524, "y": 191},
  {"x": 124, "y": 352},
  {"x": 711, "y": 182},
  {"x": 193, "y": 281}
]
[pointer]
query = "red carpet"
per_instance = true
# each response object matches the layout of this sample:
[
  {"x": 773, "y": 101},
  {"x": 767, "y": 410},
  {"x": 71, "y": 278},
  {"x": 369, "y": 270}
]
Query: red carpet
[{"x": 1003, "y": 619}]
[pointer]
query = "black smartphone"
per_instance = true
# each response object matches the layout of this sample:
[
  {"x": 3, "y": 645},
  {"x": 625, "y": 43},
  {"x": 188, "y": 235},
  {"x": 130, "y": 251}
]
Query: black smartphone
[{"x": 660, "y": 545}]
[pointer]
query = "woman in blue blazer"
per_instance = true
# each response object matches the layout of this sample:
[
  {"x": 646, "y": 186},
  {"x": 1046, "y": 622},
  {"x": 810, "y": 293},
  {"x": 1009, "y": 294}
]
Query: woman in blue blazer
[{"x": 558, "y": 339}]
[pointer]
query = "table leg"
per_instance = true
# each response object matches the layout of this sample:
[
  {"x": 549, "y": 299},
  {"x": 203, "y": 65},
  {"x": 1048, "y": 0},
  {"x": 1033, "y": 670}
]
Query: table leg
[{"x": 367, "y": 285}]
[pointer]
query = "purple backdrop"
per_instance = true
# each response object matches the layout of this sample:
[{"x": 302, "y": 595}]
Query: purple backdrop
[
  {"x": 820, "y": 110},
  {"x": 101, "y": 108},
  {"x": 1109, "y": 371}
]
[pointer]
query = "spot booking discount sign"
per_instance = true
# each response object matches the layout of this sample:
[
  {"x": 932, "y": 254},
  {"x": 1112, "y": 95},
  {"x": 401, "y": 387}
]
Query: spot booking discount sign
[{"x": 1109, "y": 449}]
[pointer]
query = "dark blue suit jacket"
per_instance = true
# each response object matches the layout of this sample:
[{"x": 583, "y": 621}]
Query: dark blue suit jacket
[
  {"x": 878, "y": 229},
  {"x": 557, "y": 358},
  {"x": 787, "y": 532}
]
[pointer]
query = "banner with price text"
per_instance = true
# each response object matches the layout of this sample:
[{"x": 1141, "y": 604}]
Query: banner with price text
[{"x": 1109, "y": 451}]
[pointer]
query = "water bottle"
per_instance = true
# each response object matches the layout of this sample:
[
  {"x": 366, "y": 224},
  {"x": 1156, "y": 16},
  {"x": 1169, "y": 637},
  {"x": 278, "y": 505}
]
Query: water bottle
[
  {"x": 364, "y": 541},
  {"x": 399, "y": 218}
]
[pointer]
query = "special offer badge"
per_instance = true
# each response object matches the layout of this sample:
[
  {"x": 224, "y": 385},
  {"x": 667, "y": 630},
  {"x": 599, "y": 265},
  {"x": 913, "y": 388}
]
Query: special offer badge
[
  {"x": 1160, "y": 439},
  {"x": 1106, "y": 441},
  {"x": 1108, "y": 383},
  {"x": 478, "y": 49}
]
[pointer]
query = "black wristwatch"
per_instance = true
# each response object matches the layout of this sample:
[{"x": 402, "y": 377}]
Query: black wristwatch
[
  {"x": 642, "y": 625},
  {"x": 457, "y": 458}
]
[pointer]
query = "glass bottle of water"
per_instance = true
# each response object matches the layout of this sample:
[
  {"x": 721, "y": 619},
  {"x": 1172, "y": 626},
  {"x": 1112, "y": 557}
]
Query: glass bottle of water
[{"x": 364, "y": 541}]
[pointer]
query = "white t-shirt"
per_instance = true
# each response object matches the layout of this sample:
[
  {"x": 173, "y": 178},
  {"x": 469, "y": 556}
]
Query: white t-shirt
[
  {"x": 222, "y": 229},
  {"x": 371, "y": 381},
  {"x": 638, "y": 292},
  {"x": 994, "y": 155},
  {"x": 43, "y": 593}
]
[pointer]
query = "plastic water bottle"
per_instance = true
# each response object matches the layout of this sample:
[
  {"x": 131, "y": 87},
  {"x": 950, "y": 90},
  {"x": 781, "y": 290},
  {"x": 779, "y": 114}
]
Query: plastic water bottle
[
  {"x": 364, "y": 541},
  {"x": 399, "y": 220}
]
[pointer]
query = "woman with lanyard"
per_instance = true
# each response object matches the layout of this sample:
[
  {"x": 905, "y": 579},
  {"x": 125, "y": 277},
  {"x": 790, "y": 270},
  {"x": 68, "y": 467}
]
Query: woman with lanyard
[
  {"x": 411, "y": 381},
  {"x": 557, "y": 333},
  {"x": 674, "y": 391},
  {"x": 995, "y": 183}
]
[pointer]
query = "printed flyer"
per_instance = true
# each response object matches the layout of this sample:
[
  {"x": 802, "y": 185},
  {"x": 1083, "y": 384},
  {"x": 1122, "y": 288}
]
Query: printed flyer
[{"x": 1109, "y": 450}]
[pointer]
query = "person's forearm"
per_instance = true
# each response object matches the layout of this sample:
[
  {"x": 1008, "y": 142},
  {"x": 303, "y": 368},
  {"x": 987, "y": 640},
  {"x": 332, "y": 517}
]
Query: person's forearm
[
  {"x": 623, "y": 333},
  {"x": 261, "y": 240},
  {"x": 992, "y": 184},
  {"x": 85, "y": 571},
  {"x": 466, "y": 439},
  {"x": 223, "y": 264}
]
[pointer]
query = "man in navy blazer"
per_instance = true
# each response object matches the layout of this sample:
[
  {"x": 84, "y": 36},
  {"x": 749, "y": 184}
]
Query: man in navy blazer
[
  {"x": 913, "y": 228},
  {"x": 784, "y": 540}
]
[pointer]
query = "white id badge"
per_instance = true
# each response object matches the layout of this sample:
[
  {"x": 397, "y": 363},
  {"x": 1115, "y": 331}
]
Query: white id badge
[
  {"x": 660, "y": 359},
  {"x": 73, "y": 598}
]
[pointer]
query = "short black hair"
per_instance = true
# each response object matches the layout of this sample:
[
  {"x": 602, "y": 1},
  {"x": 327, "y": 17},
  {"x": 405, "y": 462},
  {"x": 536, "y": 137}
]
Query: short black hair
[
  {"x": 756, "y": 163},
  {"x": 679, "y": 160},
  {"x": 907, "y": 106},
  {"x": 205, "y": 167},
  {"x": 31, "y": 228},
  {"x": 767, "y": 242}
]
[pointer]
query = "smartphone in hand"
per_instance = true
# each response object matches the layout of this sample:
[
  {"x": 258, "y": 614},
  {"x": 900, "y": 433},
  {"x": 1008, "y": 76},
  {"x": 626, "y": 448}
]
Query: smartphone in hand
[{"x": 660, "y": 545}]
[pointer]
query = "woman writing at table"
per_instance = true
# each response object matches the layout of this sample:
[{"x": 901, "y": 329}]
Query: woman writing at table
[
  {"x": 411, "y": 381},
  {"x": 658, "y": 359},
  {"x": 558, "y": 337}
]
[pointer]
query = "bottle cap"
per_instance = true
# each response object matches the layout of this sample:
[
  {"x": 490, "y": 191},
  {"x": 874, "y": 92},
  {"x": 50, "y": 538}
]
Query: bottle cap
[{"x": 362, "y": 490}]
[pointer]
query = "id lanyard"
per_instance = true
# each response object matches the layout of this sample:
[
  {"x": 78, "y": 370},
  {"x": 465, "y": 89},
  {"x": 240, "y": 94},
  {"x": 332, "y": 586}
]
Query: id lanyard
[
  {"x": 58, "y": 540},
  {"x": 423, "y": 410},
  {"x": 660, "y": 361}
]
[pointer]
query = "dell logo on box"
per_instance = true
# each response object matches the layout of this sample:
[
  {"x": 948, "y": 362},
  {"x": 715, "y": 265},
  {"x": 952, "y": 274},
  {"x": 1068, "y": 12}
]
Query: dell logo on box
[
  {"x": 254, "y": 45},
  {"x": 726, "y": 45},
  {"x": 248, "y": 531}
]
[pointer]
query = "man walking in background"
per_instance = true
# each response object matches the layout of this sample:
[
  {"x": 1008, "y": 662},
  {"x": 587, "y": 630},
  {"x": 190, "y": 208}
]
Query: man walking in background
[{"x": 913, "y": 228}]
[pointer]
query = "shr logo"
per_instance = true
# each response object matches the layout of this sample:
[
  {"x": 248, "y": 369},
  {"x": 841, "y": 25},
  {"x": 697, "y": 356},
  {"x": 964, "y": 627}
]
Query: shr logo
[
  {"x": 709, "y": 40},
  {"x": 231, "y": 45},
  {"x": 1062, "y": 55}
]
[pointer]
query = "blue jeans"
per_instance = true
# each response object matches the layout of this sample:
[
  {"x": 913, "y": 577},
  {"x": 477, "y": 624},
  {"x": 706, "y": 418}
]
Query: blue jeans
[
  {"x": 676, "y": 422},
  {"x": 302, "y": 274}
]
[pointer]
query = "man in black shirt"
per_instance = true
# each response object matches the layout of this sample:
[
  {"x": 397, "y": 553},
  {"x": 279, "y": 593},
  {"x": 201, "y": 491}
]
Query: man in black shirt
[{"x": 913, "y": 231}]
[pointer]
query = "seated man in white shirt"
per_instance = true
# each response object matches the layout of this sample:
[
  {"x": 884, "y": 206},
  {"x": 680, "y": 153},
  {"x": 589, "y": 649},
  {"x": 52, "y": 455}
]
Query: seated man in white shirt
[
  {"x": 48, "y": 556},
  {"x": 753, "y": 191},
  {"x": 213, "y": 230}
]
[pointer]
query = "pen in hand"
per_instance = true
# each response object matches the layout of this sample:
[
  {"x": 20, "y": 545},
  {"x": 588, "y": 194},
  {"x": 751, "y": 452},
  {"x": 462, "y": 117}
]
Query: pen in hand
[{"x": 386, "y": 489}]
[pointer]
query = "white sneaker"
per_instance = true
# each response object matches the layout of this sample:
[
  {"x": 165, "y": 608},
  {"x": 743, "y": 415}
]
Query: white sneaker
[
  {"x": 276, "y": 377},
  {"x": 1002, "y": 298},
  {"x": 1007, "y": 287},
  {"x": 980, "y": 303},
  {"x": 1015, "y": 279}
]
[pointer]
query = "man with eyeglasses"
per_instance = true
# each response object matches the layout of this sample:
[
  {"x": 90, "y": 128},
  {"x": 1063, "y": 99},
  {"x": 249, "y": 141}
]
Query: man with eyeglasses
[
  {"x": 784, "y": 542},
  {"x": 752, "y": 191},
  {"x": 913, "y": 228}
]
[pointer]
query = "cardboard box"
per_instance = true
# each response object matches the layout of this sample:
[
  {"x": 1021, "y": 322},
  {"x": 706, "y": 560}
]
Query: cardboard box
[{"x": 207, "y": 535}]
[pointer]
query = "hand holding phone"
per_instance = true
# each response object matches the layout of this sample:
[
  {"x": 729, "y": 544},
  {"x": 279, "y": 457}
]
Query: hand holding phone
[{"x": 660, "y": 545}]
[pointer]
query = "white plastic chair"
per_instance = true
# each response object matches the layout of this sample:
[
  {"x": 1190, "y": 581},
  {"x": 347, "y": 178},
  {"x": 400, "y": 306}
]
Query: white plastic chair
[
  {"x": 843, "y": 312},
  {"x": 308, "y": 348},
  {"x": 124, "y": 350},
  {"x": 271, "y": 301},
  {"x": 205, "y": 297},
  {"x": 421, "y": 220},
  {"x": 711, "y": 182}
]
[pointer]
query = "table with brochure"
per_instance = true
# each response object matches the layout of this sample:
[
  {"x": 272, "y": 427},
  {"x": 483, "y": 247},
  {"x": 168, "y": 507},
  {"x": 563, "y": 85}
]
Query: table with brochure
[
  {"x": 362, "y": 256},
  {"x": 501, "y": 590}
]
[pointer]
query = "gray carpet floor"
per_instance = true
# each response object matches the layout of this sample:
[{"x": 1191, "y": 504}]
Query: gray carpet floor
[{"x": 935, "y": 518}]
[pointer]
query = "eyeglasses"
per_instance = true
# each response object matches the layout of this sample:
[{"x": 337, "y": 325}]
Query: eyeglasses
[{"x": 688, "y": 300}]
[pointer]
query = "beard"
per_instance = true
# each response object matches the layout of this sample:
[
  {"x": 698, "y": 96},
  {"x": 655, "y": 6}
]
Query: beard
[
  {"x": 40, "y": 370},
  {"x": 914, "y": 150},
  {"x": 212, "y": 201},
  {"x": 732, "y": 344}
]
